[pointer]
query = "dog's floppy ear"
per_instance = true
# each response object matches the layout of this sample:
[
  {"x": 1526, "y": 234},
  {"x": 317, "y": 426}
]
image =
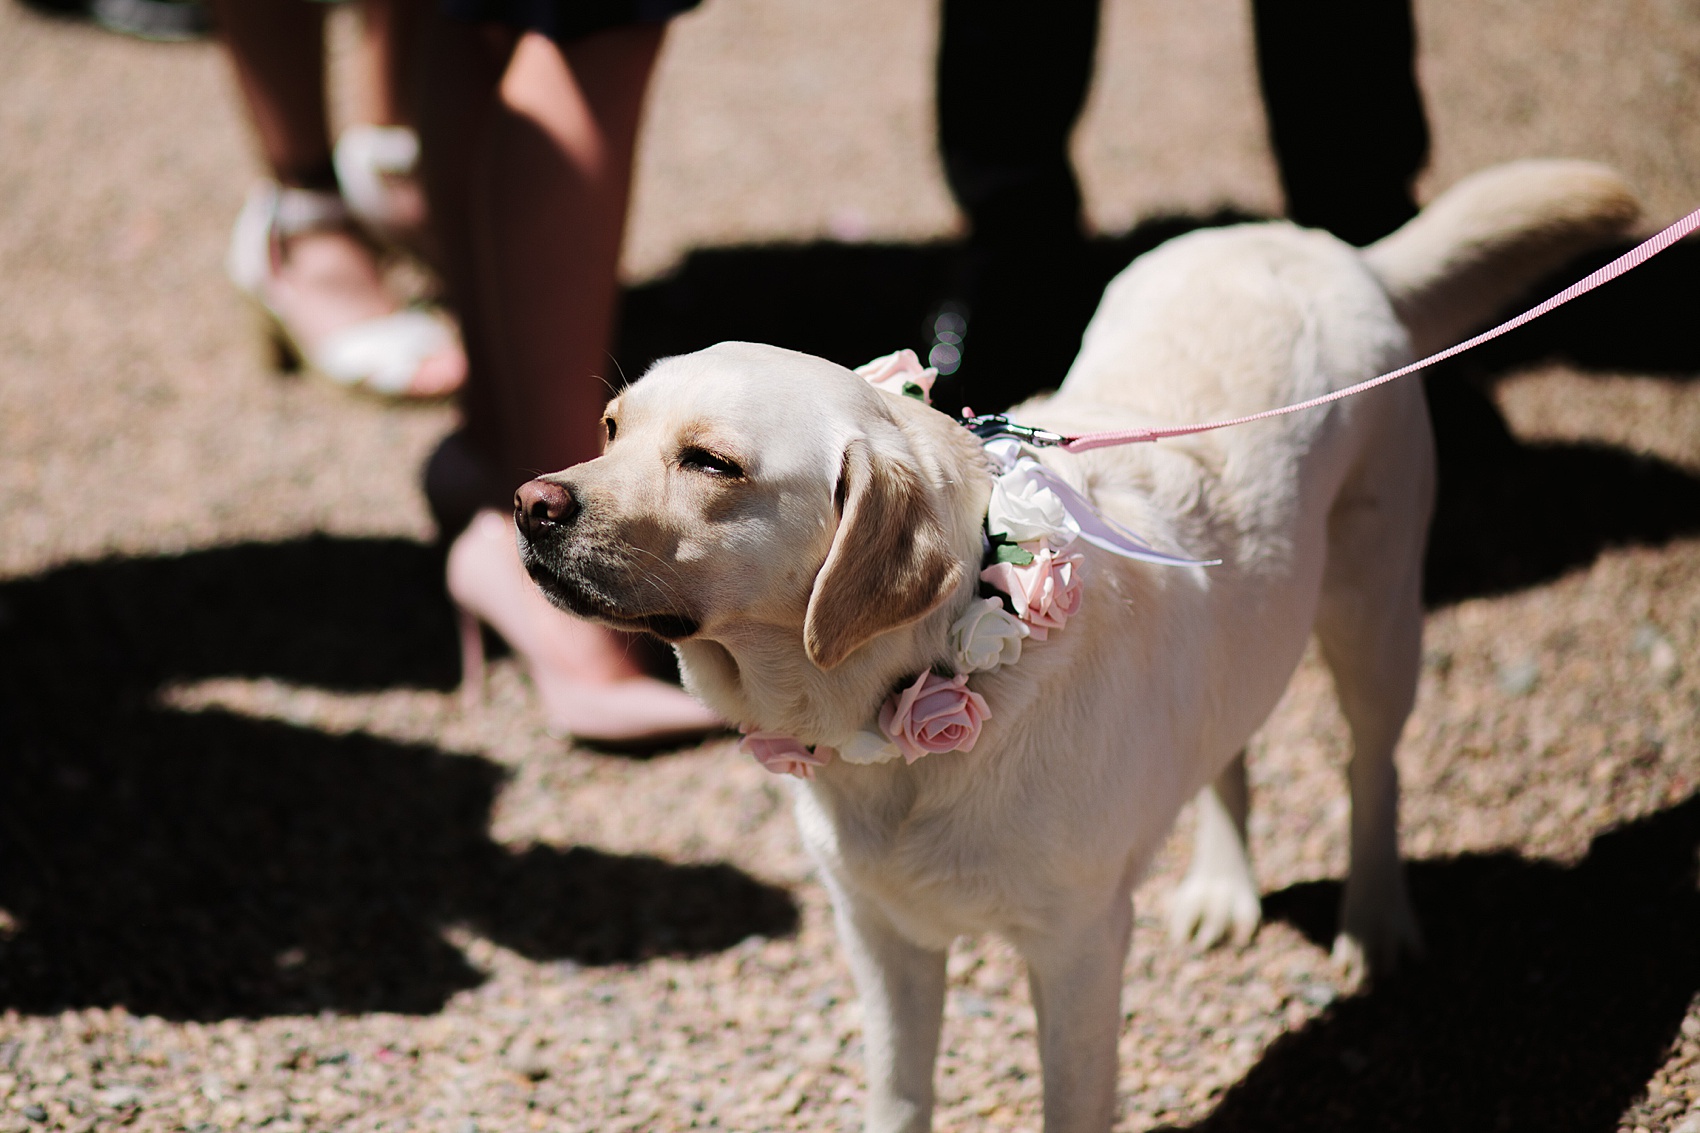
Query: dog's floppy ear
[{"x": 890, "y": 562}]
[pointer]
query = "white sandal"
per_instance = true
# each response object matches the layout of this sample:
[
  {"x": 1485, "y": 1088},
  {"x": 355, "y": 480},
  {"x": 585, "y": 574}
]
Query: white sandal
[
  {"x": 369, "y": 160},
  {"x": 381, "y": 355}
]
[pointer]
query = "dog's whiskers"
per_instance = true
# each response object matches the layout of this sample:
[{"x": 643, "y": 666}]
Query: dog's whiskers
[{"x": 657, "y": 580}]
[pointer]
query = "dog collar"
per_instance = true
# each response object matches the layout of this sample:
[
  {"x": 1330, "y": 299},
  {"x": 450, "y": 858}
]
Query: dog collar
[{"x": 1030, "y": 586}]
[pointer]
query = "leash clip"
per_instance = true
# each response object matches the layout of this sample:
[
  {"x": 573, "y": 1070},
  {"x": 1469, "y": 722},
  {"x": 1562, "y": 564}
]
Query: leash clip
[{"x": 989, "y": 425}]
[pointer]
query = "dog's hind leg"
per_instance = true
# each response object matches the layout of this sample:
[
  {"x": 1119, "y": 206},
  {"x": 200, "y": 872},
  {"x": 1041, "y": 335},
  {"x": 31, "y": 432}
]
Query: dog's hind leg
[
  {"x": 1218, "y": 894},
  {"x": 1370, "y": 625}
]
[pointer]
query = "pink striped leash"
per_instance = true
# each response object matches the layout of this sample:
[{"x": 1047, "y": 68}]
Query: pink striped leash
[{"x": 1625, "y": 263}]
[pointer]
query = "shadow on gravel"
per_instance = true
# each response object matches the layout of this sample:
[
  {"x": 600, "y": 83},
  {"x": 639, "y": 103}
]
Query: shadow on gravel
[
  {"x": 1510, "y": 515},
  {"x": 204, "y": 865},
  {"x": 1549, "y": 997},
  {"x": 347, "y": 614},
  {"x": 846, "y": 302},
  {"x": 1636, "y": 324}
]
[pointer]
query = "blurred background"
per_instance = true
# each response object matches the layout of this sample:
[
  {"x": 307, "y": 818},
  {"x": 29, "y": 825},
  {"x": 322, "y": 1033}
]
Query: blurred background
[{"x": 262, "y": 867}]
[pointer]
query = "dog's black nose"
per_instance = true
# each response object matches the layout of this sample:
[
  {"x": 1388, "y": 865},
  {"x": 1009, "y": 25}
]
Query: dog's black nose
[{"x": 540, "y": 504}]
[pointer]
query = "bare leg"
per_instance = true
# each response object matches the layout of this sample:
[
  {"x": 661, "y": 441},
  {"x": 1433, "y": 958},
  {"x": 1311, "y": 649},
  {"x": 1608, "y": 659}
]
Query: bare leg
[
  {"x": 528, "y": 162},
  {"x": 455, "y": 110},
  {"x": 326, "y": 280},
  {"x": 1219, "y": 892},
  {"x": 388, "y": 41},
  {"x": 553, "y": 216},
  {"x": 377, "y": 155},
  {"x": 278, "y": 48}
]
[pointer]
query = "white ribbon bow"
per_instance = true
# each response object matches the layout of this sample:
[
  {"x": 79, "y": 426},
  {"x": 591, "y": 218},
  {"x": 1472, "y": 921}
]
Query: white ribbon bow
[{"x": 1095, "y": 527}]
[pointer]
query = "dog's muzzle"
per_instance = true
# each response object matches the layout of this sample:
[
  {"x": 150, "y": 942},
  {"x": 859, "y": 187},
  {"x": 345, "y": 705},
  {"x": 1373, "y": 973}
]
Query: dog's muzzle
[{"x": 544, "y": 514}]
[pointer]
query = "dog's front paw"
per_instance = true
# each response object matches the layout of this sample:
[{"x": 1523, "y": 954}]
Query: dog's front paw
[
  {"x": 1374, "y": 941},
  {"x": 1206, "y": 908}
]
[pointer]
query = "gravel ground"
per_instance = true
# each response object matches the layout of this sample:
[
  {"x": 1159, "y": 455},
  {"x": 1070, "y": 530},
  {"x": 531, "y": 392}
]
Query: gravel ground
[{"x": 260, "y": 866}]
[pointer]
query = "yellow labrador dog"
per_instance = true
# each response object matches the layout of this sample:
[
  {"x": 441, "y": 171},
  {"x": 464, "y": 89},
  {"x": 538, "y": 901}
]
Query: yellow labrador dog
[{"x": 808, "y": 542}]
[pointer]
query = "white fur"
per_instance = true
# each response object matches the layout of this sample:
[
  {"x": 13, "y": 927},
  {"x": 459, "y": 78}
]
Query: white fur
[{"x": 1147, "y": 698}]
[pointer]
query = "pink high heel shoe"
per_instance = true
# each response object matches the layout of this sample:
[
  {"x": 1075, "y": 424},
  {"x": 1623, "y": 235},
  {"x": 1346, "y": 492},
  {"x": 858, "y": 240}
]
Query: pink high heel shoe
[{"x": 592, "y": 688}]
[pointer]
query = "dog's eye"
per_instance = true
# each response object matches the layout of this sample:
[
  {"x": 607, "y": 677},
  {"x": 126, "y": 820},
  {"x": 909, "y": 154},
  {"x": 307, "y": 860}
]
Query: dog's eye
[
  {"x": 701, "y": 460},
  {"x": 608, "y": 424}
]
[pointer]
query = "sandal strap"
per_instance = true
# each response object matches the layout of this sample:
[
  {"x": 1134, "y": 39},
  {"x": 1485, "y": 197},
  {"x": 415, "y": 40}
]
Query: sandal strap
[
  {"x": 296, "y": 212},
  {"x": 382, "y": 355},
  {"x": 365, "y": 156},
  {"x": 271, "y": 214}
]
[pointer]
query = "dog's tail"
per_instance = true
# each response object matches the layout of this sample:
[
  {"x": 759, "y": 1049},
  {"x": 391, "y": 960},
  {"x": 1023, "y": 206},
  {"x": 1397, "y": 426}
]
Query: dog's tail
[{"x": 1486, "y": 239}]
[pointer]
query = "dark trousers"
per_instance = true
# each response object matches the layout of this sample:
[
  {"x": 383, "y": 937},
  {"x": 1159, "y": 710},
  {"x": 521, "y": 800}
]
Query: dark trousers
[{"x": 1345, "y": 120}]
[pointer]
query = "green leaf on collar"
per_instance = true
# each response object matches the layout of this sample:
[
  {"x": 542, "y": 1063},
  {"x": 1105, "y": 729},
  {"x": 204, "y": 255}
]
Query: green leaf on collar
[
  {"x": 910, "y": 389},
  {"x": 1011, "y": 553}
]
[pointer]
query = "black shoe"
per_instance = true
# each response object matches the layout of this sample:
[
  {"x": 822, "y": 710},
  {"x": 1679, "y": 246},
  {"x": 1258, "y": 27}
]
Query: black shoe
[
  {"x": 60, "y": 9},
  {"x": 161, "y": 21}
]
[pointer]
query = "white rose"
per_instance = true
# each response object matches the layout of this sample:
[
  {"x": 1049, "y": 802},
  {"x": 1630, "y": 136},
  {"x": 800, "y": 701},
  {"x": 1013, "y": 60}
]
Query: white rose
[
  {"x": 986, "y": 636},
  {"x": 868, "y": 747},
  {"x": 1023, "y": 509}
]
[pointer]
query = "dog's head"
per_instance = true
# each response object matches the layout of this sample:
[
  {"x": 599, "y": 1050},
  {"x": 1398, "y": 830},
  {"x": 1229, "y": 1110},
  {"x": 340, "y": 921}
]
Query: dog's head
[{"x": 770, "y": 507}]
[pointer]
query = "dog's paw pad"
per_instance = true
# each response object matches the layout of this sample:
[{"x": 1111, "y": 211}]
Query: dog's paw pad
[{"x": 1205, "y": 911}]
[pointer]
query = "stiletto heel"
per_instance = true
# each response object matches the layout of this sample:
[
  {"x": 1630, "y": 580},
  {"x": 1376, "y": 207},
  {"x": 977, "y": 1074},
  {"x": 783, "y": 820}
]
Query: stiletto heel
[
  {"x": 472, "y": 668},
  {"x": 285, "y": 358},
  {"x": 590, "y": 691}
]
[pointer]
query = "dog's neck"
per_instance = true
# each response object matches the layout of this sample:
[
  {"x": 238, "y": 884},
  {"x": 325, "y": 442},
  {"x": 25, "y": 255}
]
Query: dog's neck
[
  {"x": 762, "y": 678},
  {"x": 759, "y": 674}
]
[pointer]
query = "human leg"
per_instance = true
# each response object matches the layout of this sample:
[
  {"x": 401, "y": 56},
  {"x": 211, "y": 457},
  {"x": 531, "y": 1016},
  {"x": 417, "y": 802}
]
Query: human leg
[
  {"x": 389, "y": 32},
  {"x": 1012, "y": 80},
  {"x": 377, "y": 155},
  {"x": 529, "y": 151},
  {"x": 549, "y": 217},
  {"x": 277, "y": 47},
  {"x": 1344, "y": 110}
]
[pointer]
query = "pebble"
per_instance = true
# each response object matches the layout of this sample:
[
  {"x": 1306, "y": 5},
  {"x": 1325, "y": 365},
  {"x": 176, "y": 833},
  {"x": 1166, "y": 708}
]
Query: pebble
[
  {"x": 118, "y": 1097},
  {"x": 1519, "y": 678},
  {"x": 1662, "y": 658}
]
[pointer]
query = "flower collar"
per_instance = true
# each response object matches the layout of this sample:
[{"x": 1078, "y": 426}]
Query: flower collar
[{"x": 1030, "y": 586}]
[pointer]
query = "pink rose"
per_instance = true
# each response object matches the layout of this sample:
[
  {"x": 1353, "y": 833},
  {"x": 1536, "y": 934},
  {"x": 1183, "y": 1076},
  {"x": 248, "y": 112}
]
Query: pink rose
[
  {"x": 782, "y": 754},
  {"x": 934, "y": 714},
  {"x": 1046, "y": 591},
  {"x": 895, "y": 371}
]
